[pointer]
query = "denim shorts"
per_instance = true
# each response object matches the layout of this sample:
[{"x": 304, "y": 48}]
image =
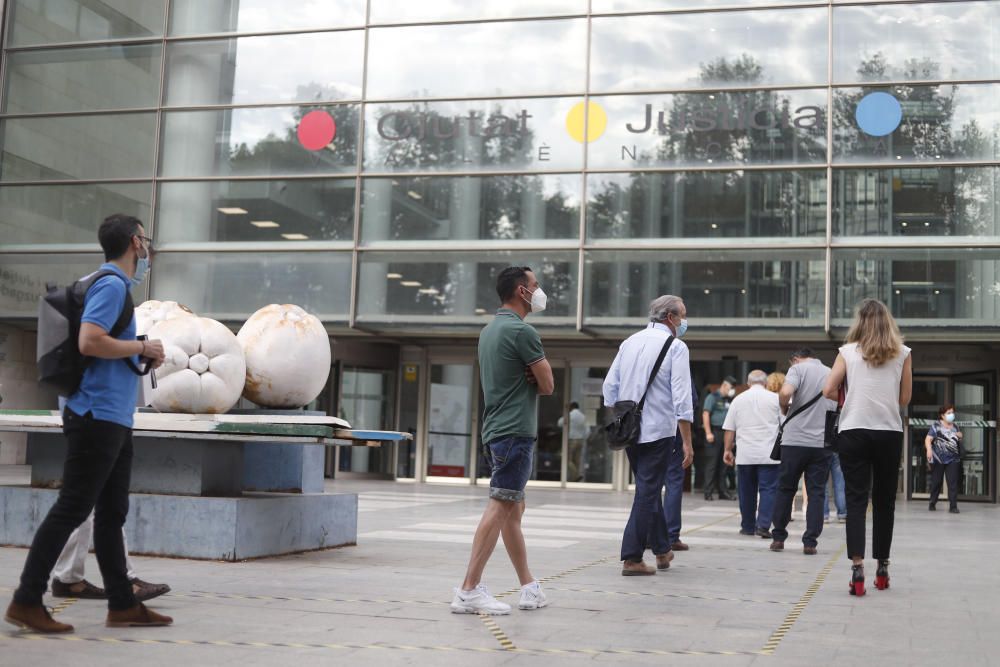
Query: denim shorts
[{"x": 510, "y": 461}]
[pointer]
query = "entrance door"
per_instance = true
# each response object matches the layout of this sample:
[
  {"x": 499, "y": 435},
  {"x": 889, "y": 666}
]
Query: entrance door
[
  {"x": 449, "y": 420},
  {"x": 367, "y": 401}
]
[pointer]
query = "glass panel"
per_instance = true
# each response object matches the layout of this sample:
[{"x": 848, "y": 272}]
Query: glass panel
[
  {"x": 700, "y": 129},
  {"x": 23, "y": 278},
  {"x": 233, "y": 286},
  {"x": 934, "y": 201},
  {"x": 918, "y": 42},
  {"x": 477, "y": 59},
  {"x": 471, "y": 207},
  {"x": 407, "y": 11},
  {"x": 409, "y": 416},
  {"x": 473, "y": 135},
  {"x": 934, "y": 287},
  {"x": 269, "y": 141},
  {"x": 720, "y": 287},
  {"x": 449, "y": 425},
  {"x": 547, "y": 465},
  {"x": 295, "y": 210},
  {"x": 590, "y": 458},
  {"x": 366, "y": 402},
  {"x": 72, "y": 147},
  {"x": 36, "y": 214},
  {"x": 199, "y": 17},
  {"x": 601, "y": 6},
  {"x": 916, "y": 123},
  {"x": 56, "y": 21},
  {"x": 87, "y": 79},
  {"x": 710, "y": 50},
  {"x": 442, "y": 288},
  {"x": 928, "y": 396},
  {"x": 312, "y": 68},
  {"x": 717, "y": 205},
  {"x": 974, "y": 403}
]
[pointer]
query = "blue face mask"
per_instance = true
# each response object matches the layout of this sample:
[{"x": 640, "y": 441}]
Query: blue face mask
[
  {"x": 682, "y": 328},
  {"x": 141, "y": 268}
]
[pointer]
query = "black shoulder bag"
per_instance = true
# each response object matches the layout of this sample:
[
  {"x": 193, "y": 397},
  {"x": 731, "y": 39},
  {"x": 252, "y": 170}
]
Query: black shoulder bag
[
  {"x": 623, "y": 430},
  {"x": 776, "y": 450}
]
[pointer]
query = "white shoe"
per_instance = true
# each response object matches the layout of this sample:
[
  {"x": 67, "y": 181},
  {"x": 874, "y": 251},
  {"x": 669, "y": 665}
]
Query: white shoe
[
  {"x": 532, "y": 597},
  {"x": 478, "y": 601}
]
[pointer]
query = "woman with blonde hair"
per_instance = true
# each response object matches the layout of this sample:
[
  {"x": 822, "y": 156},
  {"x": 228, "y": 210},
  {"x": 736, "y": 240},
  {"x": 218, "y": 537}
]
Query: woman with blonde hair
[
  {"x": 775, "y": 380},
  {"x": 876, "y": 371}
]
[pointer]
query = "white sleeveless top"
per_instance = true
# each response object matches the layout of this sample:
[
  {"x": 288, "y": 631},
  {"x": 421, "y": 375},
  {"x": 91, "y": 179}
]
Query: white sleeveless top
[{"x": 872, "y": 392}]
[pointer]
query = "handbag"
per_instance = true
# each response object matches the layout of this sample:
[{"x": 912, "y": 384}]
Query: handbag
[
  {"x": 626, "y": 424},
  {"x": 776, "y": 450},
  {"x": 831, "y": 429}
]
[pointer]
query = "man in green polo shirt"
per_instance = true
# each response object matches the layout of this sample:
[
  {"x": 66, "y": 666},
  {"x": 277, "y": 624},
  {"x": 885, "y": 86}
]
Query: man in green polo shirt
[{"x": 514, "y": 372}]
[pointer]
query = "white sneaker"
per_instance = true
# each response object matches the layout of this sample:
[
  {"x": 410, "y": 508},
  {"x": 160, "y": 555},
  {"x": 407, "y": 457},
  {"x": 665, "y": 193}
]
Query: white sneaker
[
  {"x": 478, "y": 601},
  {"x": 532, "y": 597}
]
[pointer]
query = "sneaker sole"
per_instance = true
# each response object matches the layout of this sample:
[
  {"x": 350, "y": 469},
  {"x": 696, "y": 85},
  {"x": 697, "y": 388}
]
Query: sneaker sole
[
  {"x": 529, "y": 607},
  {"x": 24, "y": 626},
  {"x": 469, "y": 610}
]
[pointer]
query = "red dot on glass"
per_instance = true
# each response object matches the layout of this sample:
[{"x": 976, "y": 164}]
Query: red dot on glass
[{"x": 316, "y": 130}]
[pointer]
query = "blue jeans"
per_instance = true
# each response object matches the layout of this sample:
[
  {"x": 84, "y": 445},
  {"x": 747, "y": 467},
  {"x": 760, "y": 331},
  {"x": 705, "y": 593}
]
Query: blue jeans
[
  {"x": 751, "y": 478},
  {"x": 839, "y": 494},
  {"x": 646, "y": 524},
  {"x": 674, "y": 482},
  {"x": 510, "y": 463}
]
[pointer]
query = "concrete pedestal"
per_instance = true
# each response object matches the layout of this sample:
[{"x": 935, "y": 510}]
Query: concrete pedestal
[{"x": 230, "y": 529}]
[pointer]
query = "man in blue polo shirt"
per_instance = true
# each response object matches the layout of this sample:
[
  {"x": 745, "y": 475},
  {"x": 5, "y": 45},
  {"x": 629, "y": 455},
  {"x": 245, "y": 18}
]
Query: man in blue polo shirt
[{"x": 97, "y": 422}]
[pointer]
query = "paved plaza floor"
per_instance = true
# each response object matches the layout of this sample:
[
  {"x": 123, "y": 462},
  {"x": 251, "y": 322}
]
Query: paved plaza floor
[{"x": 727, "y": 601}]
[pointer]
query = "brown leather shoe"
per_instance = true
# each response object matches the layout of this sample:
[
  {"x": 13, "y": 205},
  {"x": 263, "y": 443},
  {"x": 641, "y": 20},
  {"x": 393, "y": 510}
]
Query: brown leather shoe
[
  {"x": 640, "y": 569},
  {"x": 36, "y": 619},
  {"x": 82, "y": 590},
  {"x": 777, "y": 546},
  {"x": 809, "y": 551},
  {"x": 144, "y": 591},
  {"x": 136, "y": 617},
  {"x": 663, "y": 560},
  {"x": 679, "y": 546}
]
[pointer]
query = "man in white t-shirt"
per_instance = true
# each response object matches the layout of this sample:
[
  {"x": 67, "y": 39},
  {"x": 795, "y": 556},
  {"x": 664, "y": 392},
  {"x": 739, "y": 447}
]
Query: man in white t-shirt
[
  {"x": 752, "y": 423},
  {"x": 578, "y": 432}
]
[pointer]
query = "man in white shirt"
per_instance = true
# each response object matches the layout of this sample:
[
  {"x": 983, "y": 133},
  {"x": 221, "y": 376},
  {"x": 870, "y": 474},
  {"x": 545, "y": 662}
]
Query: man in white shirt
[
  {"x": 667, "y": 409},
  {"x": 752, "y": 423},
  {"x": 578, "y": 432}
]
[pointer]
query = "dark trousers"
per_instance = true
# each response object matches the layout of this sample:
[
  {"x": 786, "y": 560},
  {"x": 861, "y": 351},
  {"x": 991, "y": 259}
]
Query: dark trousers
[
  {"x": 646, "y": 524},
  {"x": 674, "y": 482},
  {"x": 938, "y": 473},
  {"x": 713, "y": 464},
  {"x": 754, "y": 478},
  {"x": 96, "y": 477},
  {"x": 870, "y": 460},
  {"x": 814, "y": 462}
]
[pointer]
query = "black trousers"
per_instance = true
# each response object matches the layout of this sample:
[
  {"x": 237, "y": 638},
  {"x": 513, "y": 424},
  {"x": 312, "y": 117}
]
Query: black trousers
[
  {"x": 870, "y": 461},
  {"x": 713, "y": 463},
  {"x": 814, "y": 463},
  {"x": 96, "y": 477},
  {"x": 938, "y": 473}
]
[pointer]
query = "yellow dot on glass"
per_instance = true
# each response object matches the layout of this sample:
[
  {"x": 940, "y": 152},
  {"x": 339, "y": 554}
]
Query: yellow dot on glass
[{"x": 597, "y": 121}]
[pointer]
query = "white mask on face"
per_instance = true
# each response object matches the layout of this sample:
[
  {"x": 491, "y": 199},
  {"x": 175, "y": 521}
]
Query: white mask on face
[
  {"x": 538, "y": 300},
  {"x": 731, "y": 393}
]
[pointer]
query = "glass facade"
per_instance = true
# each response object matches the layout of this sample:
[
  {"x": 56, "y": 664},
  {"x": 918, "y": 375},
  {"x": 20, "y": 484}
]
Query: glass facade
[{"x": 378, "y": 160}]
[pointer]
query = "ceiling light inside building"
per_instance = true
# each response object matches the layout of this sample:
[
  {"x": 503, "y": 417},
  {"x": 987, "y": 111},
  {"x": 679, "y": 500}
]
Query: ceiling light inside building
[
  {"x": 232, "y": 210},
  {"x": 904, "y": 224},
  {"x": 414, "y": 195},
  {"x": 429, "y": 290},
  {"x": 264, "y": 224},
  {"x": 294, "y": 237},
  {"x": 708, "y": 291},
  {"x": 480, "y": 311},
  {"x": 394, "y": 276},
  {"x": 715, "y": 226},
  {"x": 411, "y": 283}
]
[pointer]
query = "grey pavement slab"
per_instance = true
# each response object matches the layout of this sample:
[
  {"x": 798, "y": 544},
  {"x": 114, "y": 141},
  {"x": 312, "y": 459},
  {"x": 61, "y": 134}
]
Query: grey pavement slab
[{"x": 385, "y": 601}]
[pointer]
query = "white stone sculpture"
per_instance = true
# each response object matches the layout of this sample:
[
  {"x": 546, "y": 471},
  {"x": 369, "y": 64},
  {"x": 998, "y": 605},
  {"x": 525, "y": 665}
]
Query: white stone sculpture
[
  {"x": 150, "y": 312},
  {"x": 287, "y": 351},
  {"x": 204, "y": 369}
]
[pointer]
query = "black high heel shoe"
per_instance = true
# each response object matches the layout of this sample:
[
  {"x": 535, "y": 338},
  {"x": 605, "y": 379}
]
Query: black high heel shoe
[
  {"x": 858, "y": 580},
  {"x": 882, "y": 575}
]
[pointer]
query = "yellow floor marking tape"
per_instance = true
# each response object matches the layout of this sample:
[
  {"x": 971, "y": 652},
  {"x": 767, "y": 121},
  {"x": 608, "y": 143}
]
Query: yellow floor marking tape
[{"x": 497, "y": 632}]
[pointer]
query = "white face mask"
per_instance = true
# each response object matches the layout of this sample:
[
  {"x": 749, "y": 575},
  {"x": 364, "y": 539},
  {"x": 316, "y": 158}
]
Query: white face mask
[
  {"x": 538, "y": 300},
  {"x": 731, "y": 393}
]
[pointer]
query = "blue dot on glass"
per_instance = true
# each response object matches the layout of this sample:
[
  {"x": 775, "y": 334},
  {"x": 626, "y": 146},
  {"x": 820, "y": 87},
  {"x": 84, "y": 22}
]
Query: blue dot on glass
[{"x": 878, "y": 114}]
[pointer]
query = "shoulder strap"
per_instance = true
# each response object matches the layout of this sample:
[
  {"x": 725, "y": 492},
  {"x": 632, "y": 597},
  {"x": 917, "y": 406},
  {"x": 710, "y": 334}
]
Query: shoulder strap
[
  {"x": 656, "y": 369},
  {"x": 802, "y": 408},
  {"x": 124, "y": 318}
]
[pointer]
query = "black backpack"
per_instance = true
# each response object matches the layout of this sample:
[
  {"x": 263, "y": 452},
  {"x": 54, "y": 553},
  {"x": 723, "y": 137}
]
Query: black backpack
[{"x": 60, "y": 364}]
